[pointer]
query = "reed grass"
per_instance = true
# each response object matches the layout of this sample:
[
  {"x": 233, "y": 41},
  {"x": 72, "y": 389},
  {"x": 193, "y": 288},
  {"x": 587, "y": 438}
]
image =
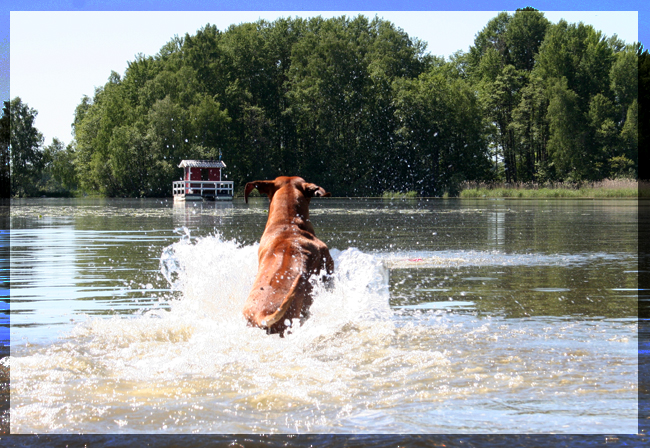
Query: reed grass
[
  {"x": 608, "y": 188},
  {"x": 398, "y": 195}
]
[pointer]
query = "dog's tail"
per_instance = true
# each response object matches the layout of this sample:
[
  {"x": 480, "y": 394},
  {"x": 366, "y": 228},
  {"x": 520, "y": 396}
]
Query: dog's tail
[{"x": 272, "y": 319}]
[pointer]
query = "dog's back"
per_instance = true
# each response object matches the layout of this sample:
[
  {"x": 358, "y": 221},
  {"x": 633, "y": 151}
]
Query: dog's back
[{"x": 289, "y": 254}]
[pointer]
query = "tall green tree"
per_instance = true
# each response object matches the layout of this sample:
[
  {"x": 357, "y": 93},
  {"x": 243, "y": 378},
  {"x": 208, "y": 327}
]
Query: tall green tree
[
  {"x": 5, "y": 141},
  {"x": 643, "y": 113},
  {"x": 25, "y": 149},
  {"x": 442, "y": 133},
  {"x": 500, "y": 98},
  {"x": 557, "y": 97},
  {"x": 524, "y": 35},
  {"x": 598, "y": 74},
  {"x": 530, "y": 128},
  {"x": 500, "y": 62},
  {"x": 624, "y": 85},
  {"x": 58, "y": 175},
  {"x": 567, "y": 132},
  {"x": 341, "y": 95}
]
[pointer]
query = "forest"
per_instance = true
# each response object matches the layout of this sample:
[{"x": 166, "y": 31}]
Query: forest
[{"x": 354, "y": 104}]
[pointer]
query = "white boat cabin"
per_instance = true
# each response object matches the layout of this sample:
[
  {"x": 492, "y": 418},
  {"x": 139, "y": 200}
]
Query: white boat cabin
[{"x": 202, "y": 180}]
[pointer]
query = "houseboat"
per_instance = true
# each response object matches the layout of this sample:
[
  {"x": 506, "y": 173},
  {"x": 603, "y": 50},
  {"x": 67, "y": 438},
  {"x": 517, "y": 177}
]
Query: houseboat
[{"x": 202, "y": 181}]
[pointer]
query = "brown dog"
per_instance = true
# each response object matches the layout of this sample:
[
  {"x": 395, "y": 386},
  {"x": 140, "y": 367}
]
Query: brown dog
[{"x": 289, "y": 254}]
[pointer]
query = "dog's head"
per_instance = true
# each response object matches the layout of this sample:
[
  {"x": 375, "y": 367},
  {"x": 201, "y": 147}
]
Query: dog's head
[{"x": 269, "y": 187}]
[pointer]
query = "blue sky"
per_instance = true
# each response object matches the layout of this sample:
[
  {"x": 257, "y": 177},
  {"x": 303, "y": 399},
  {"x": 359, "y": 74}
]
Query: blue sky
[{"x": 62, "y": 50}]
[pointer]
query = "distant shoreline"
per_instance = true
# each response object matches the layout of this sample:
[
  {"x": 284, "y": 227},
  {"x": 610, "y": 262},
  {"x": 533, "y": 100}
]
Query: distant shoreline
[{"x": 608, "y": 188}]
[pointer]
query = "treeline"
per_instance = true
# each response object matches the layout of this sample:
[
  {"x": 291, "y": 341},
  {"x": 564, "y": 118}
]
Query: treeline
[
  {"x": 561, "y": 100},
  {"x": 27, "y": 168},
  {"x": 358, "y": 106}
]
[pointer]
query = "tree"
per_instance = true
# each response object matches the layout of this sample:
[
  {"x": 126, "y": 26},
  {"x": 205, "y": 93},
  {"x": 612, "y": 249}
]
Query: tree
[
  {"x": 500, "y": 99},
  {"x": 489, "y": 54},
  {"x": 441, "y": 134},
  {"x": 604, "y": 135},
  {"x": 5, "y": 140},
  {"x": 530, "y": 127},
  {"x": 524, "y": 35},
  {"x": 342, "y": 100},
  {"x": 354, "y": 103},
  {"x": 58, "y": 175},
  {"x": 129, "y": 161},
  {"x": 643, "y": 113},
  {"x": 567, "y": 133},
  {"x": 627, "y": 162},
  {"x": 25, "y": 149},
  {"x": 64, "y": 168},
  {"x": 500, "y": 62},
  {"x": 599, "y": 75}
]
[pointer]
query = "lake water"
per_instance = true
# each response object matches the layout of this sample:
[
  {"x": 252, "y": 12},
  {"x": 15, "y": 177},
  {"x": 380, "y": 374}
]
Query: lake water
[{"x": 446, "y": 316}]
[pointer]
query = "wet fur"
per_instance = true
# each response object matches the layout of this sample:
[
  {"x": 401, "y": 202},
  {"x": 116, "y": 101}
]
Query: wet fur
[{"x": 289, "y": 254}]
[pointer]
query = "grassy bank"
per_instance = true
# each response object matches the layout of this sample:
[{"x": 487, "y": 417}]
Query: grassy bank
[
  {"x": 617, "y": 188},
  {"x": 398, "y": 195}
]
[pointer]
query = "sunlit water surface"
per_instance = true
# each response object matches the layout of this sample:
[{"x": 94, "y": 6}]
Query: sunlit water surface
[{"x": 445, "y": 316}]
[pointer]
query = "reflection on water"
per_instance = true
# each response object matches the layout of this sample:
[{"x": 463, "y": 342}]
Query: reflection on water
[
  {"x": 445, "y": 317},
  {"x": 4, "y": 317}
]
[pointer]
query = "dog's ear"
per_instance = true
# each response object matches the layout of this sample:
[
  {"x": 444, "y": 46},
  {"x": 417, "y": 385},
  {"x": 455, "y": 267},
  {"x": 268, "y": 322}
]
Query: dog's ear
[
  {"x": 313, "y": 190},
  {"x": 266, "y": 187}
]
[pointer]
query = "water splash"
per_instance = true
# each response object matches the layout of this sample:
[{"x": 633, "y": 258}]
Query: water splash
[
  {"x": 169, "y": 266},
  {"x": 354, "y": 366},
  {"x": 214, "y": 277}
]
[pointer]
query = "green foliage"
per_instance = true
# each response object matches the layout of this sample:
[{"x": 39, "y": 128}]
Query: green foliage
[
  {"x": 530, "y": 133},
  {"x": 356, "y": 105},
  {"x": 641, "y": 112},
  {"x": 618, "y": 188},
  {"x": 441, "y": 139},
  {"x": 307, "y": 97},
  {"x": 398, "y": 195},
  {"x": 59, "y": 176},
  {"x": 523, "y": 36},
  {"x": 25, "y": 149},
  {"x": 560, "y": 98},
  {"x": 5, "y": 141},
  {"x": 630, "y": 136},
  {"x": 566, "y": 143}
]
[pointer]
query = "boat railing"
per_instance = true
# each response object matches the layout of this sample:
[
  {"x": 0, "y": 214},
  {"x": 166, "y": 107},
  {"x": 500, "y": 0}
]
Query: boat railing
[{"x": 203, "y": 188}]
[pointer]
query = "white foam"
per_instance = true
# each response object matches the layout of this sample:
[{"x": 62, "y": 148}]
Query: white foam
[
  {"x": 203, "y": 328},
  {"x": 195, "y": 366},
  {"x": 214, "y": 278}
]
